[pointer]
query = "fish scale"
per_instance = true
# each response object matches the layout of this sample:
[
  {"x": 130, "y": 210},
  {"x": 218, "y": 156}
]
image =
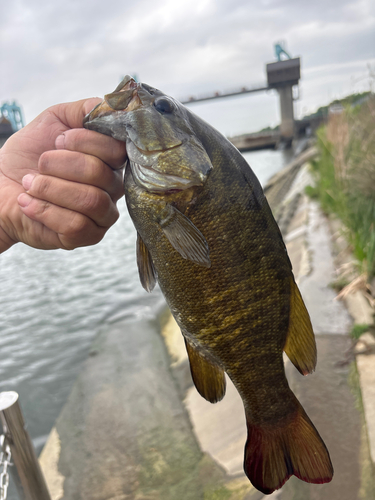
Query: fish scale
[{"x": 207, "y": 235}]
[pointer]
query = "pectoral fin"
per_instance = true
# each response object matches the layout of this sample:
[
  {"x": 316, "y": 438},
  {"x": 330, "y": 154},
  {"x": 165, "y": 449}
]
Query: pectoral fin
[
  {"x": 300, "y": 343},
  {"x": 185, "y": 237},
  {"x": 208, "y": 378},
  {"x": 146, "y": 270}
]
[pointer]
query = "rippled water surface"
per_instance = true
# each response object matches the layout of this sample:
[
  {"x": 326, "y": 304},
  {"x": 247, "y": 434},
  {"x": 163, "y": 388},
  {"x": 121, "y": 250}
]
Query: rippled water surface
[{"x": 53, "y": 303}]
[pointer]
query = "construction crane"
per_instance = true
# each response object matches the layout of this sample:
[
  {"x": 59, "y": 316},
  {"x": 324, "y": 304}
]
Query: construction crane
[
  {"x": 11, "y": 112},
  {"x": 279, "y": 50}
]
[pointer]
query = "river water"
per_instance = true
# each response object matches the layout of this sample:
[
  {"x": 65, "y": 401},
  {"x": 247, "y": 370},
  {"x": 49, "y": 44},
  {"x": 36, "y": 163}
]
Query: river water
[{"x": 53, "y": 303}]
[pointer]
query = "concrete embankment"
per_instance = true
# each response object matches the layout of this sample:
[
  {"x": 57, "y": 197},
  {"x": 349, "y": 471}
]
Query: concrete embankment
[
  {"x": 124, "y": 432},
  {"x": 134, "y": 428}
]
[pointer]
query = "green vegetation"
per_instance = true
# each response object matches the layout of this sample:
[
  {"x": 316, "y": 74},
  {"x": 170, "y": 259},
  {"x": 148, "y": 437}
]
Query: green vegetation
[
  {"x": 350, "y": 100},
  {"x": 345, "y": 176},
  {"x": 340, "y": 283},
  {"x": 218, "y": 494},
  {"x": 358, "y": 330},
  {"x": 269, "y": 129}
]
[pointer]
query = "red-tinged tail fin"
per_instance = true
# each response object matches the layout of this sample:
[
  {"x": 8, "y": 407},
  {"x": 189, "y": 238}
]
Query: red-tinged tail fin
[{"x": 274, "y": 453}]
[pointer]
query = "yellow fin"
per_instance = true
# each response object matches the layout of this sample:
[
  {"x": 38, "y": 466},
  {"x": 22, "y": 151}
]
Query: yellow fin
[
  {"x": 300, "y": 343},
  {"x": 208, "y": 378}
]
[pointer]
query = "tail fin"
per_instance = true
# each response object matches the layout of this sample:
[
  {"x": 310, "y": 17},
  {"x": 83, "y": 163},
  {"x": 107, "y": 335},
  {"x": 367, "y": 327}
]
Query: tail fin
[{"x": 274, "y": 453}]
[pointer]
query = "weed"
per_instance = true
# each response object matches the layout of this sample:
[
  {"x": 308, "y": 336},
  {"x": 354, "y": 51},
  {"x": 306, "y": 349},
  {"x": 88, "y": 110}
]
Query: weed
[
  {"x": 345, "y": 177},
  {"x": 358, "y": 330}
]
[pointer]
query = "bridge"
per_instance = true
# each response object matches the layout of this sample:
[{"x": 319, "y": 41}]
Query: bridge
[
  {"x": 228, "y": 93},
  {"x": 282, "y": 76}
]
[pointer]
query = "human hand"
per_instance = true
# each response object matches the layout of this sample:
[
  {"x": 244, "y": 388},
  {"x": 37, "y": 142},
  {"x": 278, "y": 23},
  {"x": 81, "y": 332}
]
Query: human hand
[{"x": 59, "y": 183}]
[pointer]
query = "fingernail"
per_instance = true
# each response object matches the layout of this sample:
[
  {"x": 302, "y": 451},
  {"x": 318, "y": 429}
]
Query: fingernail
[
  {"x": 27, "y": 181},
  {"x": 60, "y": 142},
  {"x": 24, "y": 200}
]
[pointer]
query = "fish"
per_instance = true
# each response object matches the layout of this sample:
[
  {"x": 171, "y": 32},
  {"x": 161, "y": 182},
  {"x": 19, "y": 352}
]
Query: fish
[{"x": 207, "y": 236}]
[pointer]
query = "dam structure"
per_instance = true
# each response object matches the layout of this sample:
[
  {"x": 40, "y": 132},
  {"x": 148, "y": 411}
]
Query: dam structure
[{"x": 282, "y": 76}]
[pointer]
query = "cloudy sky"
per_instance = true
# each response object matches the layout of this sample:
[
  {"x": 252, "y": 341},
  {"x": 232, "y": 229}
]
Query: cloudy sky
[{"x": 60, "y": 51}]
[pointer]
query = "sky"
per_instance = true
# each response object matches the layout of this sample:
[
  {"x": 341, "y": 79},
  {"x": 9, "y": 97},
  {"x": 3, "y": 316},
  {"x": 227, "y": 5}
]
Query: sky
[{"x": 53, "y": 52}]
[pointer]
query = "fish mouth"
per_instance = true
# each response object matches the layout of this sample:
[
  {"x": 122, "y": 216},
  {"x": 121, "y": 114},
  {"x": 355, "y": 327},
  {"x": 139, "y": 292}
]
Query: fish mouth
[
  {"x": 88, "y": 118},
  {"x": 101, "y": 110},
  {"x": 124, "y": 97}
]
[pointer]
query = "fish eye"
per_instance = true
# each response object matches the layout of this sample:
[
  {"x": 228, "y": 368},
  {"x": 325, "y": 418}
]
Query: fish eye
[{"x": 164, "y": 105}]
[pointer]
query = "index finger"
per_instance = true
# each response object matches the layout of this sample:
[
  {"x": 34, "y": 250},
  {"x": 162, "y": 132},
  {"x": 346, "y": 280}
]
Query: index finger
[{"x": 109, "y": 150}]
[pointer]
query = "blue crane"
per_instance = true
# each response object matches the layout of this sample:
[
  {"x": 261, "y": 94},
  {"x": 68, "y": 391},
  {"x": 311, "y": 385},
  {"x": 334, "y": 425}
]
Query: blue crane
[
  {"x": 279, "y": 50},
  {"x": 13, "y": 113}
]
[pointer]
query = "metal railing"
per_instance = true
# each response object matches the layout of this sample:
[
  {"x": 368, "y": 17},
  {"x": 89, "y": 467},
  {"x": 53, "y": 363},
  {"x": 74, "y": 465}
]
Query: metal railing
[{"x": 18, "y": 447}]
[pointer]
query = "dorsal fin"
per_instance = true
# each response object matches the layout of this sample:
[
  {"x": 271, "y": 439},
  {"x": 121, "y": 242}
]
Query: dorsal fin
[
  {"x": 208, "y": 378},
  {"x": 300, "y": 343},
  {"x": 146, "y": 270}
]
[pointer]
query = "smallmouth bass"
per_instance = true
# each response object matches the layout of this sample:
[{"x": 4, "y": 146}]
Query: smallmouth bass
[{"x": 205, "y": 232}]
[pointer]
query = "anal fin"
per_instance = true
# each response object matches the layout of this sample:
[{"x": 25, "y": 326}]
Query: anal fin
[
  {"x": 300, "y": 344},
  {"x": 208, "y": 378},
  {"x": 146, "y": 270}
]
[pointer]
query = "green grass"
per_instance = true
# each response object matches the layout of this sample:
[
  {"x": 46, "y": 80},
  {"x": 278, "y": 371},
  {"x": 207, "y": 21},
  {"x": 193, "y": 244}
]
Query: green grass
[
  {"x": 358, "y": 330},
  {"x": 345, "y": 178}
]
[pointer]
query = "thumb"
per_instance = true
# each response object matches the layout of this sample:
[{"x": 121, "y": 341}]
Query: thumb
[{"x": 72, "y": 114}]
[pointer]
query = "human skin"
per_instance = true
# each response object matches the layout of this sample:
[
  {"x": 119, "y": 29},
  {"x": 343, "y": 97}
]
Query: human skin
[{"x": 59, "y": 183}]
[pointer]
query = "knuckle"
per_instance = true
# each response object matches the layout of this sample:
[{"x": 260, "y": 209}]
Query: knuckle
[
  {"x": 40, "y": 209},
  {"x": 96, "y": 236},
  {"x": 92, "y": 166},
  {"x": 42, "y": 186},
  {"x": 81, "y": 232},
  {"x": 118, "y": 149},
  {"x": 111, "y": 218},
  {"x": 44, "y": 161},
  {"x": 79, "y": 226},
  {"x": 74, "y": 138},
  {"x": 118, "y": 190},
  {"x": 96, "y": 200},
  {"x": 118, "y": 154},
  {"x": 115, "y": 216}
]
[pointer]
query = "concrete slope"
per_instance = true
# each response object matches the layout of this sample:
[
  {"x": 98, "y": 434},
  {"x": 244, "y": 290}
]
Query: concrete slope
[{"x": 124, "y": 432}]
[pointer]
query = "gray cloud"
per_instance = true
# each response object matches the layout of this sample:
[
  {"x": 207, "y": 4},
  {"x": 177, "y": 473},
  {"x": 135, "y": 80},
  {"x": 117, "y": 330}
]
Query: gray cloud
[{"x": 56, "y": 52}]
